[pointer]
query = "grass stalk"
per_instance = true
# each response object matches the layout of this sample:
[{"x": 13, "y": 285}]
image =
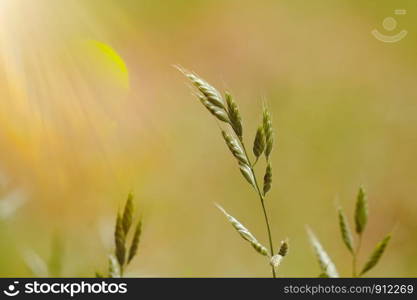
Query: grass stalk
[
  {"x": 355, "y": 257},
  {"x": 261, "y": 198},
  {"x": 226, "y": 110}
]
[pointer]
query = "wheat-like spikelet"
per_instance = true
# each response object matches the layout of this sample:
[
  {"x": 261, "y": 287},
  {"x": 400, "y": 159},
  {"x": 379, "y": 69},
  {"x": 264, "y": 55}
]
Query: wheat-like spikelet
[
  {"x": 209, "y": 92},
  {"x": 119, "y": 240},
  {"x": 114, "y": 267},
  {"x": 344, "y": 230},
  {"x": 135, "y": 241},
  {"x": 326, "y": 265},
  {"x": 121, "y": 257},
  {"x": 259, "y": 142},
  {"x": 216, "y": 111},
  {"x": 235, "y": 148},
  {"x": 267, "y": 178},
  {"x": 244, "y": 233},
  {"x": 234, "y": 116},
  {"x": 283, "y": 251},
  {"x": 128, "y": 214},
  {"x": 376, "y": 254},
  {"x": 247, "y": 173},
  {"x": 361, "y": 211},
  {"x": 240, "y": 155},
  {"x": 208, "y": 96},
  {"x": 268, "y": 131}
]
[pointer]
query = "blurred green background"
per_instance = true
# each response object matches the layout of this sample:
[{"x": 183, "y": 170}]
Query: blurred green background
[{"x": 91, "y": 108}]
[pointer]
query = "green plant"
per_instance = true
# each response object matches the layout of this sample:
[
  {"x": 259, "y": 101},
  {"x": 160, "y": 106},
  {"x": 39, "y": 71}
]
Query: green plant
[
  {"x": 123, "y": 253},
  {"x": 226, "y": 110},
  {"x": 328, "y": 269},
  {"x": 50, "y": 267}
]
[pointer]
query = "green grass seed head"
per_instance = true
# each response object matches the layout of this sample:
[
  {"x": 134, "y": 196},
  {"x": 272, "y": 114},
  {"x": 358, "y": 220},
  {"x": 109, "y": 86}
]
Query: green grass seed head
[
  {"x": 235, "y": 148},
  {"x": 267, "y": 178},
  {"x": 234, "y": 116},
  {"x": 259, "y": 142},
  {"x": 119, "y": 240},
  {"x": 345, "y": 230},
  {"x": 268, "y": 131},
  {"x": 361, "y": 211},
  {"x": 135, "y": 241},
  {"x": 244, "y": 233},
  {"x": 376, "y": 254},
  {"x": 128, "y": 214}
]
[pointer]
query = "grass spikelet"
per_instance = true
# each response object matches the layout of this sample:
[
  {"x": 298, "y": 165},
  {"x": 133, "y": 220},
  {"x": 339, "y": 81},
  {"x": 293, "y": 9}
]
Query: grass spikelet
[
  {"x": 234, "y": 116},
  {"x": 244, "y": 233},
  {"x": 135, "y": 241},
  {"x": 122, "y": 257},
  {"x": 283, "y": 250},
  {"x": 344, "y": 230},
  {"x": 326, "y": 265},
  {"x": 268, "y": 131},
  {"x": 114, "y": 267},
  {"x": 277, "y": 259},
  {"x": 235, "y": 148},
  {"x": 361, "y": 211},
  {"x": 259, "y": 142},
  {"x": 219, "y": 113},
  {"x": 128, "y": 214},
  {"x": 209, "y": 92},
  {"x": 35, "y": 263},
  {"x": 267, "y": 179},
  {"x": 376, "y": 254},
  {"x": 119, "y": 241},
  {"x": 247, "y": 173}
]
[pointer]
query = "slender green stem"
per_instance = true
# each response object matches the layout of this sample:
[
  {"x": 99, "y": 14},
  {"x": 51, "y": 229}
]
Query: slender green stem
[
  {"x": 261, "y": 197},
  {"x": 355, "y": 256}
]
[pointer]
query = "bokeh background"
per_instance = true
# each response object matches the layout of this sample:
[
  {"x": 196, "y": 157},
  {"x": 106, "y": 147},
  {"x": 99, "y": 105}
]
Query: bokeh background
[{"x": 91, "y": 108}]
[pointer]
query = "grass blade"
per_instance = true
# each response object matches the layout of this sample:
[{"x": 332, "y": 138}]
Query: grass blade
[
  {"x": 376, "y": 254},
  {"x": 326, "y": 265}
]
